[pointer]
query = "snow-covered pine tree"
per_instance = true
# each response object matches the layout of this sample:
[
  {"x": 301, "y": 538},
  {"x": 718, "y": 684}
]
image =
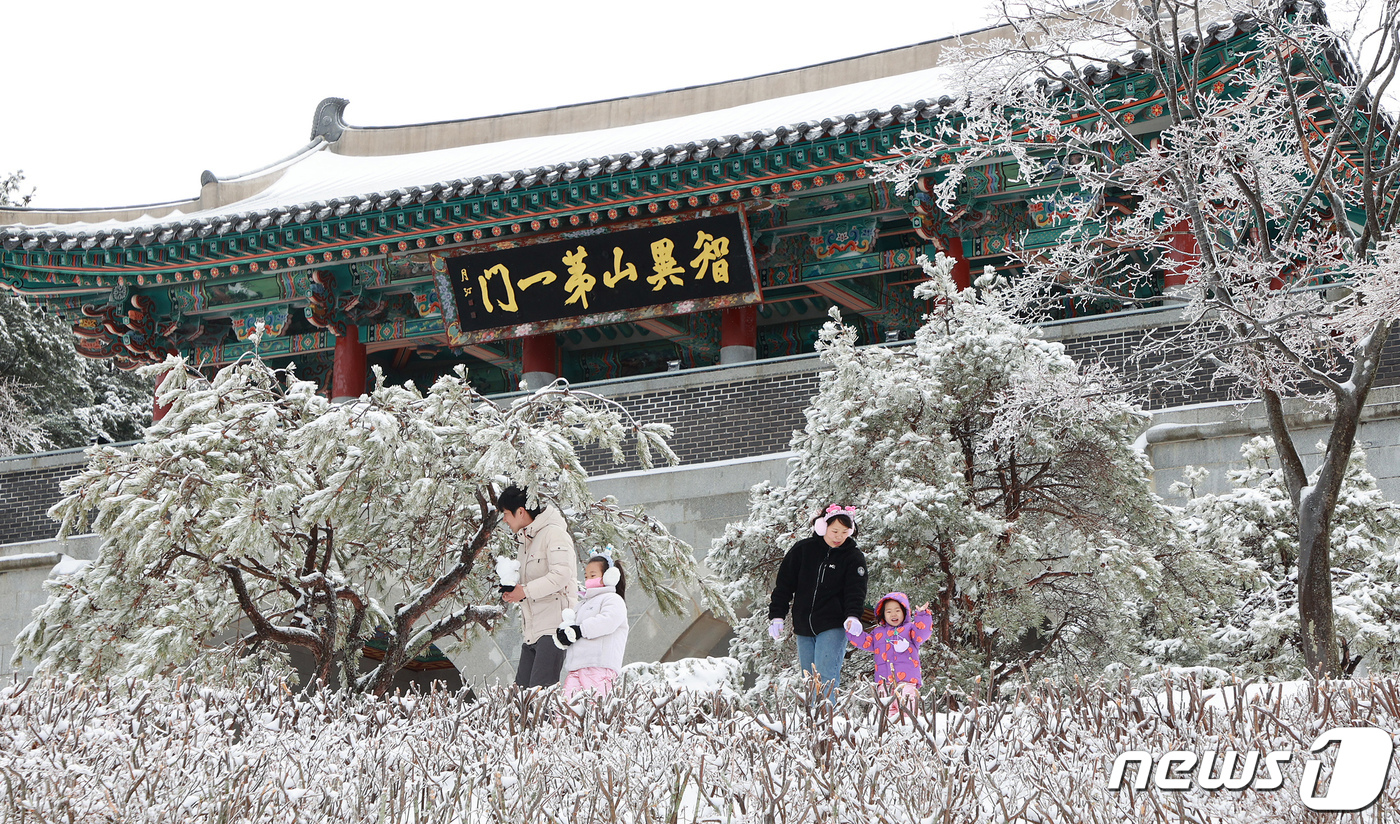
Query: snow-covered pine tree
[
  {"x": 258, "y": 517},
  {"x": 1252, "y": 628},
  {"x": 67, "y": 399},
  {"x": 994, "y": 477}
]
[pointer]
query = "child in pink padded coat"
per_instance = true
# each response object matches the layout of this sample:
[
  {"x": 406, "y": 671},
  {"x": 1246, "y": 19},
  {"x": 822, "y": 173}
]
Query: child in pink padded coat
[{"x": 895, "y": 641}]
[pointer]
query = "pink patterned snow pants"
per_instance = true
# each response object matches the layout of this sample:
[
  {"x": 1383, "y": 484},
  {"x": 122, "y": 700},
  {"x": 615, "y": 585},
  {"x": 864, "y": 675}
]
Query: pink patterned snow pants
[{"x": 906, "y": 695}]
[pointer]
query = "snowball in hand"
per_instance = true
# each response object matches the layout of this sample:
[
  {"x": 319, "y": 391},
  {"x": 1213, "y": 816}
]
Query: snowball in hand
[{"x": 508, "y": 570}]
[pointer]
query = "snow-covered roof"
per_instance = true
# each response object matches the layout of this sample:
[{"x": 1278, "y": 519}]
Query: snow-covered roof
[
  {"x": 329, "y": 174},
  {"x": 345, "y": 170},
  {"x": 322, "y": 174}
]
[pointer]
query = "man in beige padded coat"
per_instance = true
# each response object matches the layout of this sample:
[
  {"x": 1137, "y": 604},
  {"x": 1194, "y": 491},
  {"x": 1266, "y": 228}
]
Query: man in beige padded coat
[{"x": 548, "y": 584}]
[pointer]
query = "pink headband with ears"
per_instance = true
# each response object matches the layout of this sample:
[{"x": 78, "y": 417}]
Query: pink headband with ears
[{"x": 819, "y": 525}]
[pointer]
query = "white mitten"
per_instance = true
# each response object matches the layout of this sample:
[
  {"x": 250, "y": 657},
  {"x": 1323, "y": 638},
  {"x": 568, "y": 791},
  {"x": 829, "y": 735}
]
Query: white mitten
[
  {"x": 900, "y": 645},
  {"x": 508, "y": 572}
]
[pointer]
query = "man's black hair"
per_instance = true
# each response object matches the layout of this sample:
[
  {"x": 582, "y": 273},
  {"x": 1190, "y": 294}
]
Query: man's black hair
[{"x": 513, "y": 498}]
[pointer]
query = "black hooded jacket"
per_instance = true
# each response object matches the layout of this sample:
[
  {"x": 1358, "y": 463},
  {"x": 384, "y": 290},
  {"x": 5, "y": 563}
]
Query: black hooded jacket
[{"x": 823, "y": 585}]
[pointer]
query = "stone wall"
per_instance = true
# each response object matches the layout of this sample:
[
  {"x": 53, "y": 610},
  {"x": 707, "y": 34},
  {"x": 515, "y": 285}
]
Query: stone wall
[
  {"x": 28, "y": 487},
  {"x": 718, "y": 413}
]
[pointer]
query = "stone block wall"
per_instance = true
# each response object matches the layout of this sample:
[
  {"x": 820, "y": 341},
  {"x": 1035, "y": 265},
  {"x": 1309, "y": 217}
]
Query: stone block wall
[
  {"x": 28, "y": 487},
  {"x": 718, "y": 413}
]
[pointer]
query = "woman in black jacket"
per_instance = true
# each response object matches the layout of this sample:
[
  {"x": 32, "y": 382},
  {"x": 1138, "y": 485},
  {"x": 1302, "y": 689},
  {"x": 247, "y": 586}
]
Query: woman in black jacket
[{"x": 822, "y": 579}]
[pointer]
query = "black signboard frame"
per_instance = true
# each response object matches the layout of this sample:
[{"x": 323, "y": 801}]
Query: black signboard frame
[{"x": 669, "y": 265}]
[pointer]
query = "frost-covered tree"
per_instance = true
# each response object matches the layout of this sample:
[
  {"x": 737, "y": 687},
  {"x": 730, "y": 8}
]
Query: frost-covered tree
[
  {"x": 257, "y": 517},
  {"x": 50, "y": 396},
  {"x": 993, "y": 477},
  {"x": 19, "y": 431},
  {"x": 1253, "y": 629},
  {"x": 1263, "y": 178},
  {"x": 70, "y": 400},
  {"x": 12, "y": 190}
]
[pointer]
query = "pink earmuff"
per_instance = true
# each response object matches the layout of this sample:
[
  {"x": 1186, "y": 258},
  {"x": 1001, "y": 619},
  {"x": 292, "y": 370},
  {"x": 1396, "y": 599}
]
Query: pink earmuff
[{"x": 820, "y": 524}]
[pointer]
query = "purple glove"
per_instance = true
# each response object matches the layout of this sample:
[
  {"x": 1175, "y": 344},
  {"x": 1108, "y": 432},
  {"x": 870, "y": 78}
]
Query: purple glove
[
  {"x": 900, "y": 644},
  {"x": 775, "y": 628},
  {"x": 852, "y": 626}
]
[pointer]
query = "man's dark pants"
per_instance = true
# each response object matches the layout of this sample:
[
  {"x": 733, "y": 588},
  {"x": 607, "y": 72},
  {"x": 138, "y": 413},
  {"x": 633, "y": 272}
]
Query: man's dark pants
[{"x": 540, "y": 663}]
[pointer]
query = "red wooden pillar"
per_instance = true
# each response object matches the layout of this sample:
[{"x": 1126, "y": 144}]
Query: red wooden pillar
[
  {"x": 962, "y": 269},
  {"x": 540, "y": 361},
  {"x": 739, "y": 334},
  {"x": 1182, "y": 254},
  {"x": 348, "y": 373},
  {"x": 158, "y": 411}
]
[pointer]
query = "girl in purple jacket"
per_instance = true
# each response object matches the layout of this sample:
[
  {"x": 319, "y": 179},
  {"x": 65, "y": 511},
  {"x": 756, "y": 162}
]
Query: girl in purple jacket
[{"x": 895, "y": 641}]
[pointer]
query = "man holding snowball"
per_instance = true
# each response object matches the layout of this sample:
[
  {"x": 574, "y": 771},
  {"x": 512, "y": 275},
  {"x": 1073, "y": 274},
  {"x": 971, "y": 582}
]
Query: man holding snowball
[{"x": 547, "y": 583}]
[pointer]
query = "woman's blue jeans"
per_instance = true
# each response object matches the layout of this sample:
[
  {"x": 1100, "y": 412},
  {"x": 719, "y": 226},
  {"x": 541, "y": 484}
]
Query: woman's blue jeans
[{"x": 824, "y": 652}]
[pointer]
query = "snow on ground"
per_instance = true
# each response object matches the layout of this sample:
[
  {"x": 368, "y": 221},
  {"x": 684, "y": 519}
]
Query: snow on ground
[
  {"x": 674, "y": 743},
  {"x": 724, "y": 675}
]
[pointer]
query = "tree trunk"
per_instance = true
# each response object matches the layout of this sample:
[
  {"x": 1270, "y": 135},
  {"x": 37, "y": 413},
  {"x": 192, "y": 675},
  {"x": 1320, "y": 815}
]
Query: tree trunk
[
  {"x": 1315, "y": 504},
  {"x": 1319, "y": 637}
]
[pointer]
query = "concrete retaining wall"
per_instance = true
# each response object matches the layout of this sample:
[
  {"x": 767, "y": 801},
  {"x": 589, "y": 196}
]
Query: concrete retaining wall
[
  {"x": 1210, "y": 436},
  {"x": 23, "y": 569}
]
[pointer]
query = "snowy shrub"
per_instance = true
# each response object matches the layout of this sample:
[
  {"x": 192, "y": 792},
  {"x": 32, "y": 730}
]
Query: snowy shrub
[
  {"x": 1253, "y": 626},
  {"x": 147, "y": 752},
  {"x": 257, "y": 517},
  {"x": 994, "y": 478}
]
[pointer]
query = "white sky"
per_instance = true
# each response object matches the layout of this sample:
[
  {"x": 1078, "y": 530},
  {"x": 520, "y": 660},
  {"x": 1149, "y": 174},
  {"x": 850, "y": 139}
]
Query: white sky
[{"x": 114, "y": 104}]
